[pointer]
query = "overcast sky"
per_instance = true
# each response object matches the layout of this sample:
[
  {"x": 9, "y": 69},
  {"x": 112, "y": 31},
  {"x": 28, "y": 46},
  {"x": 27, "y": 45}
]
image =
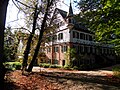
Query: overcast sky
[{"x": 13, "y": 16}]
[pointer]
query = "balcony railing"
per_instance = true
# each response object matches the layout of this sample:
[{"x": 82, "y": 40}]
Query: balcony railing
[{"x": 92, "y": 43}]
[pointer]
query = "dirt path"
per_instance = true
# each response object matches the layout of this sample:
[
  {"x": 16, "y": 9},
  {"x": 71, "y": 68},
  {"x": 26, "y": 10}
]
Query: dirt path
[
  {"x": 93, "y": 73},
  {"x": 57, "y": 79}
]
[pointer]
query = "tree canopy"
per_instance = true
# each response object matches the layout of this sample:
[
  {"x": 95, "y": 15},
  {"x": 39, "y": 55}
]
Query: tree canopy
[{"x": 102, "y": 17}]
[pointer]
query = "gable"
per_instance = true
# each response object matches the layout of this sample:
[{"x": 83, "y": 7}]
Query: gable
[{"x": 59, "y": 19}]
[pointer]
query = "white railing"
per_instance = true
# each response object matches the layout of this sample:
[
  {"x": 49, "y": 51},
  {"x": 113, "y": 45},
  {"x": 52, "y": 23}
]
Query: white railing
[{"x": 91, "y": 43}]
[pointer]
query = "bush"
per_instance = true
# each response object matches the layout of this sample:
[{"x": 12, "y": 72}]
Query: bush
[
  {"x": 41, "y": 65},
  {"x": 67, "y": 67},
  {"x": 46, "y": 65},
  {"x": 54, "y": 66},
  {"x": 116, "y": 71},
  {"x": 75, "y": 68},
  {"x": 13, "y": 65}
]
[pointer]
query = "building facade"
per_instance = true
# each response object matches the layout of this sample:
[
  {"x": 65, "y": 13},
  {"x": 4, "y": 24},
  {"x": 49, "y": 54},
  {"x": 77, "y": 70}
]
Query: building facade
[{"x": 71, "y": 34}]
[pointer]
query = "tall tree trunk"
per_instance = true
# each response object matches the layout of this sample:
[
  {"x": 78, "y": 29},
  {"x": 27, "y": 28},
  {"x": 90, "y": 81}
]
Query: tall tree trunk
[
  {"x": 27, "y": 50},
  {"x": 40, "y": 37},
  {"x": 3, "y": 10}
]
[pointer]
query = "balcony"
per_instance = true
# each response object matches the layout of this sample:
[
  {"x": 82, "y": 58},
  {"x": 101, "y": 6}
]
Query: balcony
[{"x": 93, "y": 43}]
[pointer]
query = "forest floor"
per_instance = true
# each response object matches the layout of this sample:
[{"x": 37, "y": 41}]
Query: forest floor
[{"x": 58, "y": 79}]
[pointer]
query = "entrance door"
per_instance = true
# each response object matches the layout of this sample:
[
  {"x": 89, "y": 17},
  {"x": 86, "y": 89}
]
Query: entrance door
[{"x": 63, "y": 62}]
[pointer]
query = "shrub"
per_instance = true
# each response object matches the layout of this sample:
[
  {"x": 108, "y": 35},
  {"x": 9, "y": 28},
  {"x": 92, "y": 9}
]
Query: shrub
[
  {"x": 18, "y": 66},
  {"x": 116, "y": 71},
  {"x": 46, "y": 65},
  {"x": 41, "y": 65},
  {"x": 75, "y": 68},
  {"x": 13, "y": 65},
  {"x": 58, "y": 66},
  {"x": 67, "y": 67},
  {"x": 54, "y": 66}
]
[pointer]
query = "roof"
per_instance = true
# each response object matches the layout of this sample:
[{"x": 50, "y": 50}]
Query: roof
[
  {"x": 82, "y": 28},
  {"x": 77, "y": 25},
  {"x": 70, "y": 11},
  {"x": 63, "y": 13}
]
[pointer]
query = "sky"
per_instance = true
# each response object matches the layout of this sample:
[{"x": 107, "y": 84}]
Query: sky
[{"x": 13, "y": 14}]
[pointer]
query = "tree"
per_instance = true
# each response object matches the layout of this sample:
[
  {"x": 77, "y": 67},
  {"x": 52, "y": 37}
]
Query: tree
[
  {"x": 35, "y": 19},
  {"x": 42, "y": 30},
  {"x": 9, "y": 45},
  {"x": 70, "y": 56},
  {"x": 3, "y": 10},
  {"x": 27, "y": 50},
  {"x": 103, "y": 20},
  {"x": 31, "y": 10}
]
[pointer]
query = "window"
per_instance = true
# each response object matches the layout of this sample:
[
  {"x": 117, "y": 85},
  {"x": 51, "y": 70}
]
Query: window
[
  {"x": 60, "y": 36},
  {"x": 82, "y": 36},
  {"x": 73, "y": 34},
  {"x": 90, "y": 38},
  {"x": 105, "y": 50},
  {"x": 78, "y": 49},
  {"x": 63, "y": 48},
  {"x": 93, "y": 49},
  {"x": 87, "y": 37},
  {"x": 81, "y": 48},
  {"x": 102, "y": 50},
  {"x": 77, "y": 35},
  {"x": 113, "y": 51},
  {"x": 49, "y": 39},
  {"x": 88, "y": 49},
  {"x": 55, "y": 61},
  {"x": 48, "y": 50},
  {"x": 49, "y": 60},
  {"x": 54, "y": 37},
  {"x": 55, "y": 49},
  {"x": 42, "y": 49},
  {"x": 85, "y": 49},
  {"x": 97, "y": 51}
]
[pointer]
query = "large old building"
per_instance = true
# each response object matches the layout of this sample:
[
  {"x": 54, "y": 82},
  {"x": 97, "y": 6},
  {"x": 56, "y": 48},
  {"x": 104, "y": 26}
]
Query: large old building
[{"x": 71, "y": 34}]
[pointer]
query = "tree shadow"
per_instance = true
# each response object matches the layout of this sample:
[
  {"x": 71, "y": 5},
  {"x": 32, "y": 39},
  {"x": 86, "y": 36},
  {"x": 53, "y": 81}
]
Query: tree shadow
[{"x": 84, "y": 78}]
